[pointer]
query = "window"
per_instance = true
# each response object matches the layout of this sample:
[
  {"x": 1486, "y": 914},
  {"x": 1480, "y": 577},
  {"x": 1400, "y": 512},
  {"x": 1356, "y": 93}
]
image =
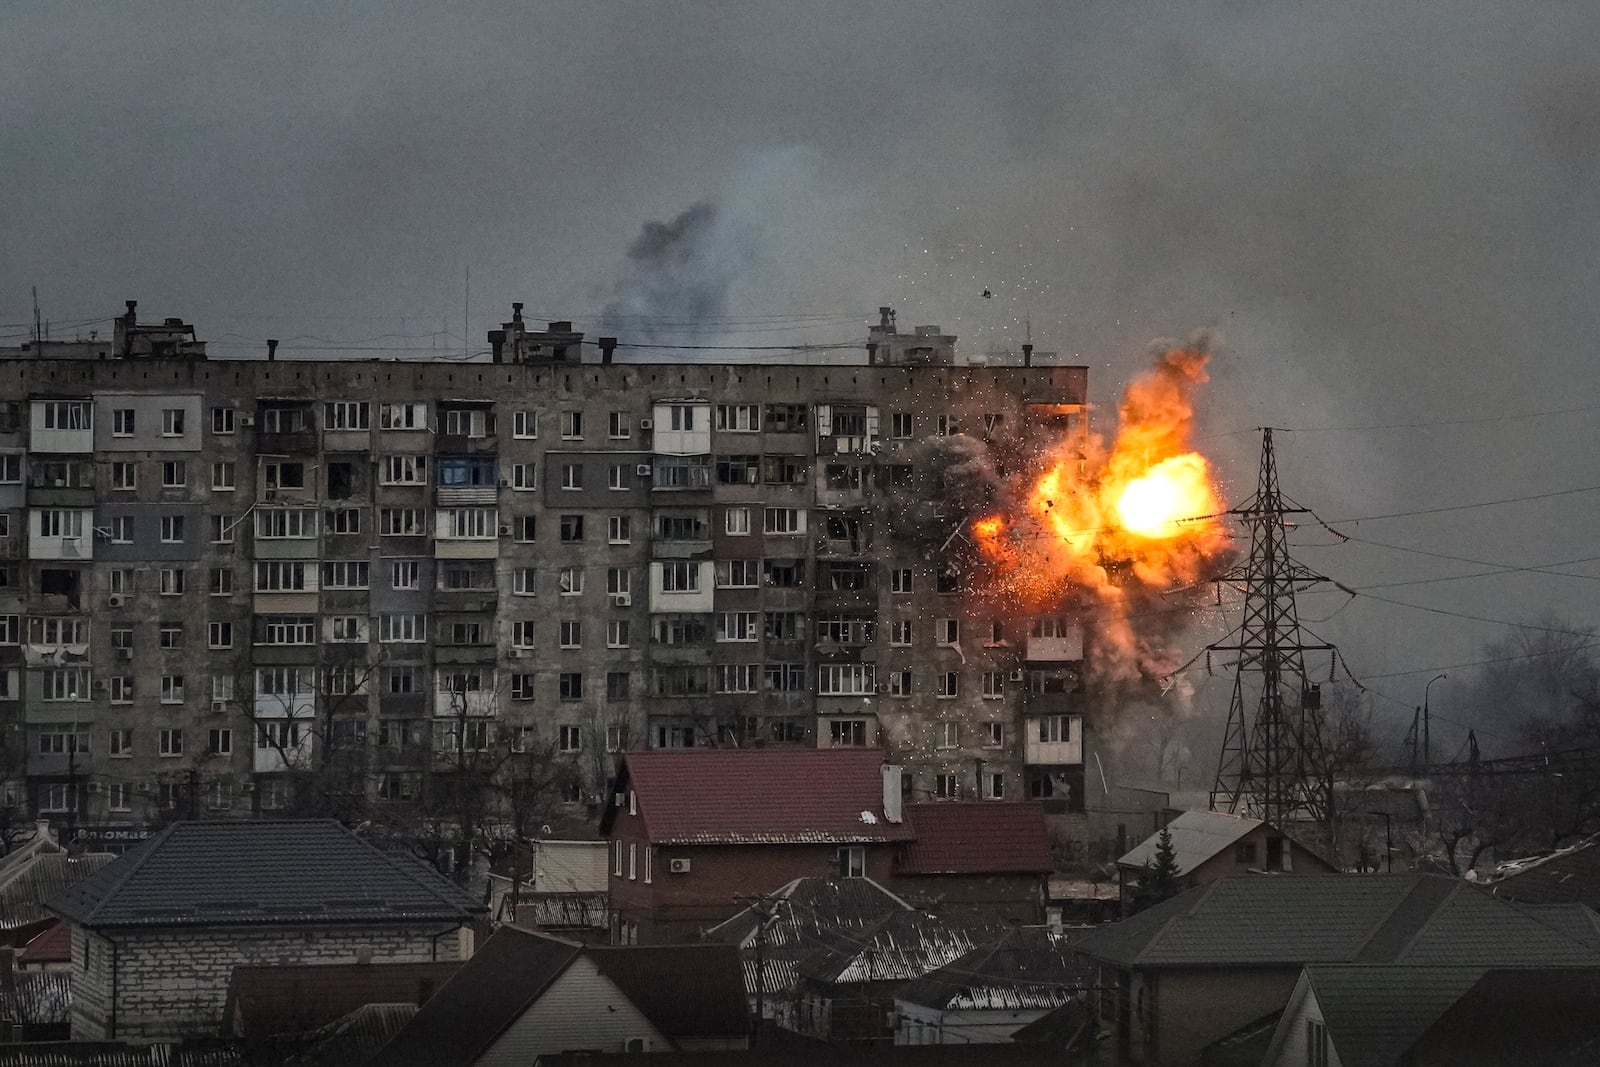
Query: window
[
  {"x": 899, "y": 632},
  {"x": 346, "y": 574},
  {"x": 617, "y": 633},
  {"x": 738, "y": 573},
  {"x": 403, "y": 416},
  {"x": 853, "y": 862},
  {"x": 402, "y": 522},
  {"x": 1316, "y": 1044},
  {"x": 221, "y": 581},
  {"x": 738, "y": 470},
  {"x": 739, "y": 626},
  {"x": 846, "y": 679},
  {"x": 64, "y": 524},
  {"x": 572, "y": 527},
  {"x": 170, "y": 635},
  {"x": 273, "y": 524},
  {"x": 172, "y": 689},
  {"x": 57, "y": 797},
  {"x": 122, "y": 422},
  {"x": 993, "y": 685},
  {"x": 785, "y": 521},
  {"x": 524, "y": 476},
  {"x": 10, "y": 629},
  {"x": 222, "y": 527},
  {"x": 949, "y": 685},
  {"x": 946, "y": 786},
  {"x": 522, "y": 631},
  {"x": 400, "y": 680},
  {"x": 736, "y": 522},
  {"x": 943, "y": 426},
  {"x": 282, "y": 419},
  {"x": 219, "y": 742},
  {"x": 572, "y": 476},
  {"x": 221, "y": 420},
  {"x": 569, "y": 581},
  {"x": 172, "y": 581},
  {"x": 1055, "y": 728},
  {"x": 900, "y": 424},
  {"x": 619, "y": 529},
  {"x": 680, "y": 576},
  {"x": 900, "y": 682},
  {"x": 900, "y": 580},
  {"x": 124, "y": 475},
  {"x": 221, "y": 688},
  {"x": 738, "y": 677},
  {"x": 739, "y": 418},
  {"x": 344, "y": 520},
  {"x": 402, "y": 628},
  {"x": 60, "y": 740},
  {"x": 405, "y": 574},
  {"x": 572, "y": 425},
  {"x": 619, "y": 425},
  {"x": 617, "y": 476},
  {"x": 571, "y": 685},
  {"x": 618, "y": 580},
  {"x": 281, "y": 576},
  {"x": 282, "y": 474},
  {"x": 524, "y": 527},
  {"x": 172, "y": 422},
  {"x": 403, "y": 470},
  {"x": 121, "y": 529},
  {"x": 468, "y": 523},
  {"x": 570, "y": 739},
  {"x": 347, "y": 628},
  {"x": 346, "y": 415},
  {"x": 287, "y": 629},
  {"x": 280, "y": 734},
  {"x": 783, "y": 469},
  {"x": 462, "y": 633},
  {"x": 947, "y": 735},
  {"x": 171, "y": 529},
  {"x": 947, "y": 581},
  {"x": 947, "y": 631}
]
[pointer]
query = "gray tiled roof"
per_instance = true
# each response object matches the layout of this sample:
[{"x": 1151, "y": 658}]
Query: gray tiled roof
[
  {"x": 1291, "y": 920},
  {"x": 1374, "y": 1013},
  {"x": 274, "y": 871}
]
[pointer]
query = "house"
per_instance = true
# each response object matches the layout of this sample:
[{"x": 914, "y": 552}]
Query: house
[
  {"x": 773, "y": 934},
  {"x": 31, "y": 874},
  {"x": 285, "y": 1002},
  {"x": 975, "y": 857},
  {"x": 564, "y": 891},
  {"x": 990, "y": 993},
  {"x": 157, "y": 934},
  {"x": 1212, "y": 844},
  {"x": 693, "y": 831},
  {"x": 1565, "y": 875},
  {"x": 50, "y": 950},
  {"x": 1545, "y": 1016},
  {"x": 525, "y": 994},
  {"x": 847, "y": 979},
  {"x": 1199, "y": 967}
]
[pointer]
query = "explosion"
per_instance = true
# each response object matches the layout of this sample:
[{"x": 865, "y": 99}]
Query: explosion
[{"x": 1104, "y": 533}]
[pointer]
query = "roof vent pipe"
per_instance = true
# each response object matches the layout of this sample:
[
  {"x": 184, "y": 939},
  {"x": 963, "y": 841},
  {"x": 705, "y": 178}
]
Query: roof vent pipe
[
  {"x": 1027, "y": 355},
  {"x": 272, "y": 349}
]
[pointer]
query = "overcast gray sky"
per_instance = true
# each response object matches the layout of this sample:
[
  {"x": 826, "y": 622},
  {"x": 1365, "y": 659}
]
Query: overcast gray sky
[{"x": 1390, "y": 210}]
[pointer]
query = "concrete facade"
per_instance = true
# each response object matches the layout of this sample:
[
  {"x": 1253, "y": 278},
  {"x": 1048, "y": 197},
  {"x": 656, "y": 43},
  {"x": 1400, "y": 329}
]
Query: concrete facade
[{"x": 600, "y": 556}]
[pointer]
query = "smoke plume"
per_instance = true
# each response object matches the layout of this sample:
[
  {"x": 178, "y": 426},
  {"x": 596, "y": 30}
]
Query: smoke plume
[{"x": 676, "y": 273}]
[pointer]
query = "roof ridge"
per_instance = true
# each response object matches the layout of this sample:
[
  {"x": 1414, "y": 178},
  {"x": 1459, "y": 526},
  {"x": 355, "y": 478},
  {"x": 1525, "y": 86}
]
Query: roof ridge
[
  {"x": 406, "y": 870},
  {"x": 136, "y": 862},
  {"x": 1421, "y": 883}
]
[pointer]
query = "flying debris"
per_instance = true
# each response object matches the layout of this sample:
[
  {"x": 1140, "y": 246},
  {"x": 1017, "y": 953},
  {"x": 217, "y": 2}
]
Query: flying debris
[{"x": 988, "y": 294}]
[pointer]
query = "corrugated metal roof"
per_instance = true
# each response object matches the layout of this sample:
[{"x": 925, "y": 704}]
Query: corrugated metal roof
[
  {"x": 1567, "y": 875},
  {"x": 806, "y": 907},
  {"x": 1025, "y": 969},
  {"x": 38, "y": 878},
  {"x": 976, "y": 837},
  {"x": 901, "y": 946},
  {"x": 1196, "y": 837},
  {"x": 758, "y": 796},
  {"x": 270, "y": 871}
]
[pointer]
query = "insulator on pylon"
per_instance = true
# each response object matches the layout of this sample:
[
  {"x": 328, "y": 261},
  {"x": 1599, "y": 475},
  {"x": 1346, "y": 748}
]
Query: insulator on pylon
[
  {"x": 1208, "y": 664},
  {"x": 1333, "y": 663}
]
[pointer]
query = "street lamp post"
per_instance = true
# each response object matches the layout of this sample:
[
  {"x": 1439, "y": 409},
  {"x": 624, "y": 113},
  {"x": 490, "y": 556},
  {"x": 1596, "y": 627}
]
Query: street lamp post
[{"x": 1426, "y": 732}]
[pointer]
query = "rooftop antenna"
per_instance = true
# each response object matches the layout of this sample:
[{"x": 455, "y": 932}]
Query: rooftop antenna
[{"x": 38, "y": 331}]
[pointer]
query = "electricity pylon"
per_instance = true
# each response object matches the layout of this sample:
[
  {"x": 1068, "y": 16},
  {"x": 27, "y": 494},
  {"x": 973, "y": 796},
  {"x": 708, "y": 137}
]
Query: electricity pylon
[{"x": 1274, "y": 765}]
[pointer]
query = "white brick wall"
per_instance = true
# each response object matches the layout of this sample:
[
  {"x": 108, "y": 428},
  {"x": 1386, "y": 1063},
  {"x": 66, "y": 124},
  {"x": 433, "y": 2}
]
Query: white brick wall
[{"x": 173, "y": 984}]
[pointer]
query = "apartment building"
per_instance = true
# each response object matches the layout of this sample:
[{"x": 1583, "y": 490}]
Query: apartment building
[{"x": 216, "y": 575}]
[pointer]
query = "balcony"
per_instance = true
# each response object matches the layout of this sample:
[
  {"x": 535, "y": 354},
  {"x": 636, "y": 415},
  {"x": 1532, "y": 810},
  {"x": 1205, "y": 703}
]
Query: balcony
[
  {"x": 1052, "y": 739},
  {"x": 458, "y": 495}
]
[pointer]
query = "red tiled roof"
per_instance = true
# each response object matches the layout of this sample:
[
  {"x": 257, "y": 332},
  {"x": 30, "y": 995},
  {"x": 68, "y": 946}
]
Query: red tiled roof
[
  {"x": 977, "y": 837},
  {"x": 267, "y": 1000},
  {"x": 54, "y": 945},
  {"x": 759, "y": 796}
]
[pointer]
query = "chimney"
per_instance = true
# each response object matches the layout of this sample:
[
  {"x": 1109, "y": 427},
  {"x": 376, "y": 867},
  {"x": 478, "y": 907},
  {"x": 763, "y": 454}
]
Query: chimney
[
  {"x": 41, "y": 829},
  {"x": 891, "y": 792},
  {"x": 608, "y": 346},
  {"x": 497, "y": 345},
  {"x": 516, "y": 312},
  {"x": 133, "y": 307},
  {"x": 272, "y": 349},
  {"x": 1027, "y": 355},
  {"x": 886, "y": 318}
]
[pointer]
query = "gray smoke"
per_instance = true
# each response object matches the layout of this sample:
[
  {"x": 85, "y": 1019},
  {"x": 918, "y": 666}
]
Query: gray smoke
[{"x": 677, "y": 276}]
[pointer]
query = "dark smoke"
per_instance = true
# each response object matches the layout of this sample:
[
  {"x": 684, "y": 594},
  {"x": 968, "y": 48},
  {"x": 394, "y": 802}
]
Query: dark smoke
[{"x": 677, "y": 275}]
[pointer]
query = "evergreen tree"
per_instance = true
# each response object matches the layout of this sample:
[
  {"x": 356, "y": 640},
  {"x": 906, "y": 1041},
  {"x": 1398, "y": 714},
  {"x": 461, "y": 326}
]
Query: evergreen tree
[{"x": 1160, "y": 879}]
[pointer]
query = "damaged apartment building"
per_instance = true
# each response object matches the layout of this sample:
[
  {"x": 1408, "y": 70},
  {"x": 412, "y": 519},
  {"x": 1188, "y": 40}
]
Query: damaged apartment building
[{"x": 216, "y": 576}]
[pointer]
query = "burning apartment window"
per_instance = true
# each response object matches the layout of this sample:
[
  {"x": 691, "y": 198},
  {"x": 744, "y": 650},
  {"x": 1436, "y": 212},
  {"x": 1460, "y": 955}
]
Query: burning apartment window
[{"x": 947, "y": 580}]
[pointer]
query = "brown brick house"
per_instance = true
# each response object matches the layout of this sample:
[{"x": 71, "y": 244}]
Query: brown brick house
[
  {"x": 695, "y": 833},
  {"x": 978, "y": 857}
]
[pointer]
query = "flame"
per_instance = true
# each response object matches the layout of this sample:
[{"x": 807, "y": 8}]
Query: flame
[{"x": 1102, "y": 532}]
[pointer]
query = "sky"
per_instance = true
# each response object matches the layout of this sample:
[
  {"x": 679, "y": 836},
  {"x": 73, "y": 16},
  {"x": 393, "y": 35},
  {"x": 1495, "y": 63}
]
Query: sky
[{"x": 1389, "y": 212}]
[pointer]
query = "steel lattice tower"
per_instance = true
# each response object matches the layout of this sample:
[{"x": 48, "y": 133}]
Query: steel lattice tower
[{"x": 1273, "y": 764}]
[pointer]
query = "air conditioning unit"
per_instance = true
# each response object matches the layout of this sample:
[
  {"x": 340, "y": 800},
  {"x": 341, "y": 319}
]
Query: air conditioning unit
[
  {"x": 621, "y": 600},
  {"x": 679, "y": 865},
  {"x": 124, "y": 653},
  {"x": 1019, "y": 676},
  {"x": 247, "y": 788},
  {"x": 647, "y": 424},
  {"x": 505, "y": 531},
  {"x": 143, "y": 787},
  {"x": 219, "y": 707},
  {"x": 101, "y": 685},
  {"x": 642, "y": 470},
  {"x": 516, "y": 653},
  {"x": 247, "y": 420}
]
